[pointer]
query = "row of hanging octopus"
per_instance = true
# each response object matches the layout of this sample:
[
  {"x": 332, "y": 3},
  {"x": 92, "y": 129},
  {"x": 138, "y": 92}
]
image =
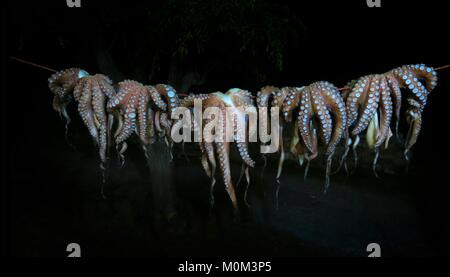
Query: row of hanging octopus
[{"x": 320, "y": 115}]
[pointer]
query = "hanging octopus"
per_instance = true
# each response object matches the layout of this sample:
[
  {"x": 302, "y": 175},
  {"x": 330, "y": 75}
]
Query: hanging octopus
[
  {"x": 373, "y": 100},
  {"x": 62, "y": 84},
  {"x": 141, "y": 109},
  {"x": 91, "y": 93},
  {"x": 321, "y": 120},
  {"x": 218, "y": 150}
]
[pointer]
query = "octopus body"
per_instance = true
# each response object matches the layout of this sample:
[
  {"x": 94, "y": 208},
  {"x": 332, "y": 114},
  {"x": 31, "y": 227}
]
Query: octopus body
[
  {"x": 316, "y": 104},
  {"x": 141, "y": 109},
  {"x": 321, "y": 119},
  {"x": 62, "y": 84},
  {"x": 216, "y": 152},
  {"x": 374, "y": 100},
  {"x": 419, "y": 80},
  {"x": 91, "y": 92}
]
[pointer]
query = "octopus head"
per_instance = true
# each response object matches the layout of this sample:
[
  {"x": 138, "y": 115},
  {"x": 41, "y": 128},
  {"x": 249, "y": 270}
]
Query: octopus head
[{"x": 225, "y": 98}]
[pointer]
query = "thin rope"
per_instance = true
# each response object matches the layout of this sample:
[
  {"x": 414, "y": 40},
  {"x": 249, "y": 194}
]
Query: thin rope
[{"x": 180, "y": 94}]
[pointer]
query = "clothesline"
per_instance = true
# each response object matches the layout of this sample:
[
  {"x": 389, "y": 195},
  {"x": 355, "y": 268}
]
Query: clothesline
[{"x": 180, "y": 94}]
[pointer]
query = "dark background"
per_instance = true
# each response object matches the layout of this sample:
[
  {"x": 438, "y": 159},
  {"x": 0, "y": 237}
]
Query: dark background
[{"x": 51, "y": 196}]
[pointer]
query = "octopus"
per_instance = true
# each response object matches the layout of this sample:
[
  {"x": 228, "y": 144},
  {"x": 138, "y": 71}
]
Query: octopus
[
  {"x": 374, "y": 100},
  {"x": 91, "y": 92},
  {"x": 62, "y": 84},
  {"x": 141, "y": 109},
  {"x": 321, "y": 120},
  {"x": 216, "y": 151}
]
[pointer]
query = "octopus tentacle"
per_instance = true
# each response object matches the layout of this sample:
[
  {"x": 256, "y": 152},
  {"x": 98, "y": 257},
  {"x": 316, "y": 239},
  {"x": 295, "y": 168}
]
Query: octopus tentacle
[
  {"x": 158, "y": 127},
  {"x": 396, "y": 96},
  {"x": 291, "y": 101},
  {"x": 241, "y": 174},
  {"x": 243, "y": 152},
  {"x": 209, "y": 161},
  {"x": 264, "y": 95},
  {"x": 356, "y": 97},
  {"x": 308, "y": 164},
  {"x": 311, "y": 156},
  {"x": 166, "y": 123},
  {"x": 414, "y": 119},
  {"x": 151, "y": 118},
  {"x": 170, "y": 95},
  {"x": 156, "y": 98},
  {"x": 373, "y": 131},
  {"x": 209, "y": 148},
  {"x": 98, "y": 98},
  {"x": 385, "y": 114},
  {"x": 408, "y": 80},
  {"x": 247, "y": 178},
  {"x": 304, "y": 124},
  {"x": 321, "y": 112},
  {"x": 85, "y": 108},
  {"x": 223, "y": 149},
  {"x": 355, "y": 144},
  {"x": 120, "y": 126},
  {"x": 61, "y": 108},
  {"x": 336, "y": 105},
  {"x": 241, "y": 143},
  {"x": 105, "y": 85},
  {"x": 142, "y": 116},
  {"x": 204, "y": 160},
  {"x": 369, "y": 107},
  {"x": 328, "y": 171},
  {"x": 419, "y": 89},
  {"x": 343, "y": 158},
  {"x": 106, "y": 88},
  {"x": 282, "y": 154},
  {"x": 374, "y": 163},
  {"x": 129, "y": 122}
]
